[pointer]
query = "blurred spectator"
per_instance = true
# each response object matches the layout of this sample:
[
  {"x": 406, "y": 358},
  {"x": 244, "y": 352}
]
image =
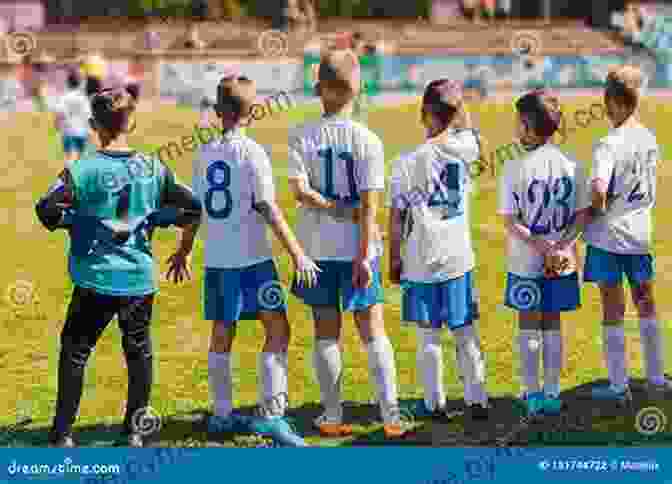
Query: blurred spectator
[
  {"x": 151, "y": 40},
  {"x": 488, "y": 8},
  {"x": 504, "y": 9},
  {"x": 472, "y": 10},
  {"x": 298, "y": 15},
  {"x": 633, "y": 22},
  {"x": 135, "y": 76},
  {"x": 192, "y": 39},
  {"x": 94, "y": 68}
]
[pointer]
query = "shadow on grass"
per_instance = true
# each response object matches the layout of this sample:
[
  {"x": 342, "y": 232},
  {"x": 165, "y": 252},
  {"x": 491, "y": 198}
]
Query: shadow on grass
[{"x": 584, "y": 422}]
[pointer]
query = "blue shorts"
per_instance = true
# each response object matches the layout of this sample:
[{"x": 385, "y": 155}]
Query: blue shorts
[
  {"x": 450, "y": 303},
  {"x": 540, "y": 294},
  {"x": 232, "y": 295},
  {"x": 74, "y": 144},
  {"x": 608, "y": 268},
  {"x": 334, "y": 288}
]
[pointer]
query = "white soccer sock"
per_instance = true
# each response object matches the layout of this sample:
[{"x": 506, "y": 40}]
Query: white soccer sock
[
  {"x": 553, "y": 360},
  {"x": 614, "y": 353},
  {"x": 652, "y": 346},
  {"x": 384, "y": 375},
  {"x": 529, "y": 345},
  {"x": 328, "y": 368},
  {"x": 272, "y": 379},
  {"x": 221, "y": 383},
  {"x": 472, "y": 365},
  {"x": 430, "y": 367}
]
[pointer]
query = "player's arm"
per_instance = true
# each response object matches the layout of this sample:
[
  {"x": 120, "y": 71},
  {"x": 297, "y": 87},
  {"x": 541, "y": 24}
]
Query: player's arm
[
  {"x": 179, "y": 205},
  {"x": 583, "y": 215},
  {"x": 54, "y": 209},
  {"x": 603, "y": 169},
  {"x": 265, "y": 204},
  {"x": 509, "y": 210},
  {"x": 370, "y": 177},
  {"x": 395, "y": 230}
]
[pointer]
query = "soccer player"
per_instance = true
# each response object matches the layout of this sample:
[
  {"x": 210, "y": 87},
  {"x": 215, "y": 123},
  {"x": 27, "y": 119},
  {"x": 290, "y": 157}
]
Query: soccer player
[
  {"x": 336, "y": 171},
  {"x": 73, "y": 111},
  {"x": 232, "y": 176},
  {"x": 619, "y": 237},
  {"x": 539, "y": 198},
  {"x": 110, "y": 203},
  {"x": 428, "y": 202}
]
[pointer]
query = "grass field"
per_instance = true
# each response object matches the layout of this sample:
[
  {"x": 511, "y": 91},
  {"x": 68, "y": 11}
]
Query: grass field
[{"x": 38, "y": 290}]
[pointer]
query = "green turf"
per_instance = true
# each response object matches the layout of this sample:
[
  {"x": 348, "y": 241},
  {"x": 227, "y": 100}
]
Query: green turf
[{"x": 31, "y": 326}]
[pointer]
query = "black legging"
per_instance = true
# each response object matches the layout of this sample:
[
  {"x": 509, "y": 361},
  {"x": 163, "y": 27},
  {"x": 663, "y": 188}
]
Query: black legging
[
  {"x": 93, "y": 85},
  {"x": 89, "y": 314}
]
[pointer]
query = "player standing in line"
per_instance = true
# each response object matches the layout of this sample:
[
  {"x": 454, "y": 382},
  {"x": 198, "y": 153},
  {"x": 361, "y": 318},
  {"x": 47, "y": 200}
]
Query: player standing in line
[
  {"x": 336, "y": 171},
  {"x": 540, "y": 195},
  {"x": 111, "y": 203},
  {"x": 73, "y": 111},
  {"x": 232, "y": 176},
  {"x": 435, "y": 270},
  {"x": 619, "y": 237}
]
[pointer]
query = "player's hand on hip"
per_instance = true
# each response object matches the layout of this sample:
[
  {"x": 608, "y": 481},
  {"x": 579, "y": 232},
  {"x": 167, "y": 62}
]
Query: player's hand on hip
[
  {"x": 179, "y": 267},
  {"x": 362, "y": 273},
  {"x": 306, "y": 270}
]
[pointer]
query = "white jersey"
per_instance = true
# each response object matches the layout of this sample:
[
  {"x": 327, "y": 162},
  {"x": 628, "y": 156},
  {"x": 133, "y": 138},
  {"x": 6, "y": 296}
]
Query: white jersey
[
  {"x": 75, "y": 108},
  {"x": 231, "y": 175},
  {"x": 434, "y": 186},
  {"x": 340, "y": 158},
  {"x": 626, "y": 160},
  {"x": 543, "y": 190}
]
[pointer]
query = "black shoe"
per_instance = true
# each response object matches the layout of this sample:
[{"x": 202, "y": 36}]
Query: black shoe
[
  {"x": 477, "y": 411},
  {"x": 61, "y": 441}
]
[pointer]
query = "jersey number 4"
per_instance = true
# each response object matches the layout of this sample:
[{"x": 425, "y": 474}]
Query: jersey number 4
[
  {"x": 219, "y": 181},
  {"x": 328, "y": 155},
  {"x": 447, "y": 192}
]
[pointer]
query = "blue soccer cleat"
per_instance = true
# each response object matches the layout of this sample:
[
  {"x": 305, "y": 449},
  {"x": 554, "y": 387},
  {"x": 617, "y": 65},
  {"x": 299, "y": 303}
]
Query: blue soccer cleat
[
  {"x": 278, "y": 429},
  {"x": 534, "y": 403},
  {"x": 608, "y": 392},
  {"x": 551, "y": 405},
  {"x": 234, "y": 423}
]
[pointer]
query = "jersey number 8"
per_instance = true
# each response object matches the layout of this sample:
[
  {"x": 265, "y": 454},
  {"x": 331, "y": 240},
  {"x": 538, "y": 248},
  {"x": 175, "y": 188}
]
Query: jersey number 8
[{"x": 219, "y": 181}]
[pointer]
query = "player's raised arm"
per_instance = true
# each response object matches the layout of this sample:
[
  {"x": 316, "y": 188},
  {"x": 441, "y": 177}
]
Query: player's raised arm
[{"x": 54, "y": 209}]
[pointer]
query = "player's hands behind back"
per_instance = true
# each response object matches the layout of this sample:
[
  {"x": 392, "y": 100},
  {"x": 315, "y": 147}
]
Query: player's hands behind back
[{"x": 306, "y": 270}]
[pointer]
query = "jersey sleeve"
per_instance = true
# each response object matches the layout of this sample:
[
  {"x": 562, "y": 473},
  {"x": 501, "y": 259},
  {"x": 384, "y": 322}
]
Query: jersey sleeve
[
  {"x": 370, "y": 171},
  {"x": 508, "y": 200},
  {"x": 604, "y": 163},
  {"x": 296, "y": 167},
  {"x": 263, "y": 188}
]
